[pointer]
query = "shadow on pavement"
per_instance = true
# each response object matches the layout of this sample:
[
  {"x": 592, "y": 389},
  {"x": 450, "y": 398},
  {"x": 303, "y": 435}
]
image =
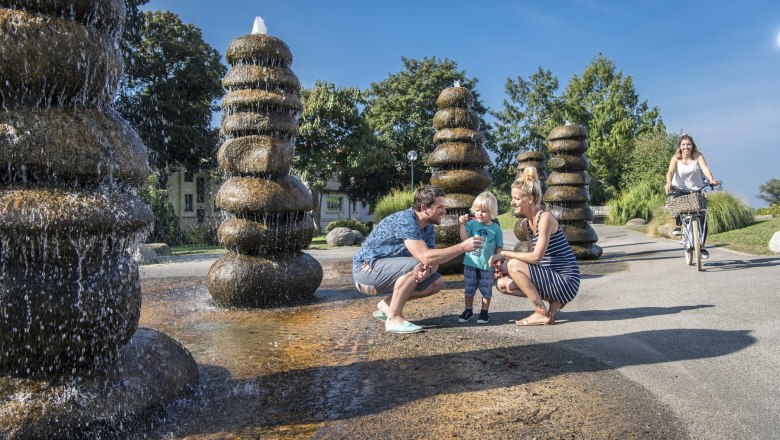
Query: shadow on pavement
[
  {"x": 326, "y": 394},
  {"x": 725, "y": 265}
]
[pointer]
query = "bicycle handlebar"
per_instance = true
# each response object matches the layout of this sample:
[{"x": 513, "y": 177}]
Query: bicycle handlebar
[{"x": 678, "y": 191}]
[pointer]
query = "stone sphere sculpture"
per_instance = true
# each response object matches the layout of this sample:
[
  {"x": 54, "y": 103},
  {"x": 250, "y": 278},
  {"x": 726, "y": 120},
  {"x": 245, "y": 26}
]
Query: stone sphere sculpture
[
  {"x": 69, "y": 167},
  {"x": 458, "y": 163},
  {"x": 567, "y": 195},
  {"x": 529, "y": 159},
  {"x": 268, "y": 220}
]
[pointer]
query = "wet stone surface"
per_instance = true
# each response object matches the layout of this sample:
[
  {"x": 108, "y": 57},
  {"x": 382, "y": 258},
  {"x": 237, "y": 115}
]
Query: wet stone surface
[{"x": 328, "y": 370}]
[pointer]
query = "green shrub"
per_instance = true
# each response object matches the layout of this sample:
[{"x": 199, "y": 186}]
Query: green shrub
[
  {"x": 635, "y": 202},
  {"x": 504, "y": 201},
  {"x": 199, "y": 235},
  {"x": 773, "y": 210},
  {"x": 397, "y": 200},
  {"x": 167, "y": 228},
  {"x": 348, "y": 223},
  {"x": 727, "y": 212},
  {"x": 660, "y": 218}
]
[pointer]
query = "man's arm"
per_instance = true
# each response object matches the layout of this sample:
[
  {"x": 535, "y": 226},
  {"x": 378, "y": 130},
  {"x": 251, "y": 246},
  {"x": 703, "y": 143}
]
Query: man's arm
[{"x": 432, "y": 257}]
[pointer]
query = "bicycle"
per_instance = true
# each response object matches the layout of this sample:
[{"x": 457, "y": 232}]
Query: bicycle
[{"x": 691, "y": 205}]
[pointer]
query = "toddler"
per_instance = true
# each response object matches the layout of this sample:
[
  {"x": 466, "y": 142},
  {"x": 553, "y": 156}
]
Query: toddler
[{"x": 480, "y": 265}]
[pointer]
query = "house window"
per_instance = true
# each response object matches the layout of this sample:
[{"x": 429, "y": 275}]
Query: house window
[
  {"x": 187, "y": 176},
  {"x": 201, "y": 187},
  {"x": 201, "y": 214},
  {"x": 334, "y": 204},
  {"x": 188, "y": 203}
]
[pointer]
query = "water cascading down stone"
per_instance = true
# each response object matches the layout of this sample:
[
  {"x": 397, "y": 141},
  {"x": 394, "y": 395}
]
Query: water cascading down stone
[
  {"x": 268, "y": 219},
  {"x": 69, "y": 290},
  {"x": 567, "y": 196},
  {"x": 458, "y": 163},
  {"x": 529, "y": 159},
  {"x": 72, "y": 364}
]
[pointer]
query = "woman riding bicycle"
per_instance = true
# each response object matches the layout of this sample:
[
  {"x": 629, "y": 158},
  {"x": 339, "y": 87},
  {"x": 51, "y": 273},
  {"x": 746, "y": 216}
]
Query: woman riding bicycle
[{"x": 685, "y": 171}]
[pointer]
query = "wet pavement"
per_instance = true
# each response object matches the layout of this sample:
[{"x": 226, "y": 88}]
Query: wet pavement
[{"x": 328, "y": 370}]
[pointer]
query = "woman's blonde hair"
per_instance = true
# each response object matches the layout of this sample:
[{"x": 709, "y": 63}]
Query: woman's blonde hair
[
  {"x": 529, "y": 185},
  {"x": 486, "y": 202}
]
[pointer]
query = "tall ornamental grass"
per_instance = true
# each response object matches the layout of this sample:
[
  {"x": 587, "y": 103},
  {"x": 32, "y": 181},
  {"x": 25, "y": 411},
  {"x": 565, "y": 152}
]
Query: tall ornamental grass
[
  {"x": 727, "y": 212},
  {"x": 397, "y": 200},
  {"x": 637, "y": 201}
]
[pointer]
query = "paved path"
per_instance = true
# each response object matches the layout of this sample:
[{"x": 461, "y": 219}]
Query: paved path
[{"x": 705, "y": 343}]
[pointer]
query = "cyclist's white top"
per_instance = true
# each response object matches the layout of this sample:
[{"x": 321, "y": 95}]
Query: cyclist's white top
[{"x": 688, "y": 176}]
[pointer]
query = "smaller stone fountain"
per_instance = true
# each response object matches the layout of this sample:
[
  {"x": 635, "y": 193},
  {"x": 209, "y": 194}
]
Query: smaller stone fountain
[
  {"x": 567, "y": 196},
  {"x": 458, "y": 163},
  {"x": 529, "y": 159},
  {"x": 268, "y": 219}
]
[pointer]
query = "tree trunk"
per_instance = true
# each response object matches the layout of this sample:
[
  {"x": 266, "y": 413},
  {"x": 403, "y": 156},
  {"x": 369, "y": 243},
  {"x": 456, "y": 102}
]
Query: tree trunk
[{"x": 317, "y": 211}]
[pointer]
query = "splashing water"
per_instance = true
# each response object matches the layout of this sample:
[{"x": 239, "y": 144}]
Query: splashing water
[{"x": 259, "y": 27}]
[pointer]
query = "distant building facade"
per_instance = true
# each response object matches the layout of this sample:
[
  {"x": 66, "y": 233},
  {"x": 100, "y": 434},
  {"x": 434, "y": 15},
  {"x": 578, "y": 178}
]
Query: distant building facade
[
  {"x": 193, "y": 196},
  {"x": 335, "y": 205}
]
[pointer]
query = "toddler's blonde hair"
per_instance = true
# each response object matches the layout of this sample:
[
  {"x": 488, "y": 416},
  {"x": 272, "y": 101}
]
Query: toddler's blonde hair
[{"x": 486, "y": 202}]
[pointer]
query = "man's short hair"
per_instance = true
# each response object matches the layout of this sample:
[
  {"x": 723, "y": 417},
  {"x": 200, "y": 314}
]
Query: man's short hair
[{"x": 426, "y": 195}]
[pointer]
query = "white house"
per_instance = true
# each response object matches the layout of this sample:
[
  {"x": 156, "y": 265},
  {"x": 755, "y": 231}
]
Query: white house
[
  {"x": 193, "y": 196},
  {"x": 335, "y": 205}
]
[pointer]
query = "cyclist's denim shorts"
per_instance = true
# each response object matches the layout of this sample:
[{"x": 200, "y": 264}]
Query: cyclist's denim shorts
[
  {"x": 474, "y": 278},
  {"x": 378, "y": 277}
]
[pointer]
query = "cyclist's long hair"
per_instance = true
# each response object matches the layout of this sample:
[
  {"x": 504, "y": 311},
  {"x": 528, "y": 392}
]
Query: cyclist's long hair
[
  {"x": 694, "y": 150},
  {"x": 529, "y": 185}
]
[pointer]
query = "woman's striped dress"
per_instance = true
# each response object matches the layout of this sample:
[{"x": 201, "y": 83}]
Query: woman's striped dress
[{"x": 557, "y": 275}]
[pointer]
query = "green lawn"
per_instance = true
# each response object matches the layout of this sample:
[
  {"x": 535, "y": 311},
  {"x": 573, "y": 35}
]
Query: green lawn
[
  {"x": 196, "y": 249},
  {"x": 507, "y": 220},
  {"x": 752, "y": 240}
]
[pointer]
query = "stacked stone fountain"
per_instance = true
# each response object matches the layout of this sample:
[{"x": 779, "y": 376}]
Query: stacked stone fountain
[
  {"x": 268, "y": 211},
  {"x": 529, "y": 159},
  {"x": 567, "y": 196},
  {"x": 69, "y": 290},
  {"x": 458, "y": 163}
]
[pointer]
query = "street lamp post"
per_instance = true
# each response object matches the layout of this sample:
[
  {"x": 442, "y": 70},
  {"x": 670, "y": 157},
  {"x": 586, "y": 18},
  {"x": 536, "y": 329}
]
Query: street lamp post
[{"x": 412, "y": 156}]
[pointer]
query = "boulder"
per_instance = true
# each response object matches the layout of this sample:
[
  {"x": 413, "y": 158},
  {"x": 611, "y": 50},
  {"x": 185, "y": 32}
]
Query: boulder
[
  {"x": 358, "y": 236},
  {"x": 340, "y": 237},
  {"x": 636, "y": 222},
  {"x": 144, "y": 255},
  {"x": 774, "y": 243},
  {"x": 159, "y": 248}
]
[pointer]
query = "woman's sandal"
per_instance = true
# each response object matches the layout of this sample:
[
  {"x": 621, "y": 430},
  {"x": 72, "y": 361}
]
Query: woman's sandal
[{"x": 526, "y": 322}]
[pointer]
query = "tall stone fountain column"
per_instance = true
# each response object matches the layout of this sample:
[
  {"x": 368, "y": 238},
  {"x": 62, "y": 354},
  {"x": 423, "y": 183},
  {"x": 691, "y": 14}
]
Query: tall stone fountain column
[
  {"x": 69, "y": 166},
  {"x": 268, "y": 220},
  {"x": 458, "y": 163},
  {"x": 72, "y": 364},
  {"x": 567, "y": 196}
]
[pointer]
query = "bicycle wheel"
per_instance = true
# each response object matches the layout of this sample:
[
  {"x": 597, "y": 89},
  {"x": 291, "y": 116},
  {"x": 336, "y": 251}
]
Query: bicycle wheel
[
  {"x": 686, "y": 240},
  {"x": 696, "y": 243}
]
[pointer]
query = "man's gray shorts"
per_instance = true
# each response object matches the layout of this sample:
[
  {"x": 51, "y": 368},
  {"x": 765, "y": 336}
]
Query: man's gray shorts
[{"x": 379, "y": 276}]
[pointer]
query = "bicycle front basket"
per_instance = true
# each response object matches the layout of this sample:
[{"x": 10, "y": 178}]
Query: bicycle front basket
[{"x": 688, "y": 203}]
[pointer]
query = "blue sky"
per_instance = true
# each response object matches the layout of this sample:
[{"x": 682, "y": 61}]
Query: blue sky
[{"x": 712, "y": 67}]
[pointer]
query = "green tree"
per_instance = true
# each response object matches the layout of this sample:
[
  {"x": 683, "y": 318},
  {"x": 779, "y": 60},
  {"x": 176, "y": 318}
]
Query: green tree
[
  {"x": 530, "y": 112},
  {"x": 167, "y": 228},
  {"x": 770, "y": 192},
  {"x": 401, "y": 110},
  {"x": 649, "y": 160},
  {"x": 606, "y": 102},
  {"x": 168, "y": 92},
  {"x": 336, "y": 141}
]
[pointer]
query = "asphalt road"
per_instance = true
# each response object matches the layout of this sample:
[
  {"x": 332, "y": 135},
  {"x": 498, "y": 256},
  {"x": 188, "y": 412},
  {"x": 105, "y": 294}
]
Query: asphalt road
[{"x": 705, "y": 343}]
